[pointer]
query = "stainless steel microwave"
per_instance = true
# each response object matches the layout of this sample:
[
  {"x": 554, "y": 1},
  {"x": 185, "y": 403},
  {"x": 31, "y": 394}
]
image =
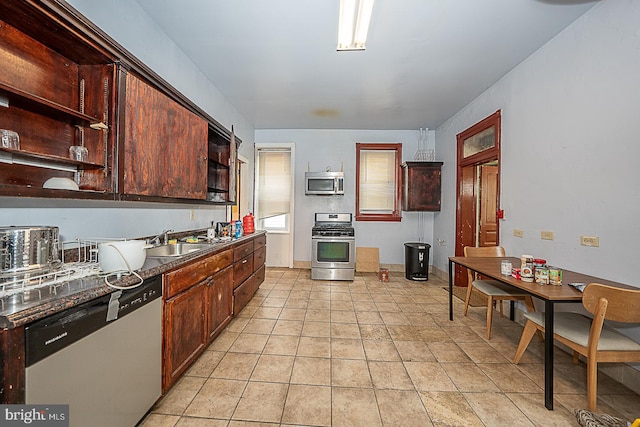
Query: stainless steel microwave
[{"x": 324, "y": 183}]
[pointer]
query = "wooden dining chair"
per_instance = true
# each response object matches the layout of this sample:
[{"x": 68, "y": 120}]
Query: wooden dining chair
[
  {"x": 492, "y": 289},
  {"x": 591, "y": 338}
]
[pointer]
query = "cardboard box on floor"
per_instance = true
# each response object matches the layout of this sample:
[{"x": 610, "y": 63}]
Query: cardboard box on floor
[{"x": 367, "y": 260}]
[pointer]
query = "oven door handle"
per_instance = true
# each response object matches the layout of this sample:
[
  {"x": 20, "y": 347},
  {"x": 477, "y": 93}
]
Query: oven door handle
[{"x": 333, "y": 238}]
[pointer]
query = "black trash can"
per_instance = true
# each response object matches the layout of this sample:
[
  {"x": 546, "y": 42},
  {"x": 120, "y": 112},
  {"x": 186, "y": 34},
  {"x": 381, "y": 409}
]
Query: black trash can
[{"x": 416, "y": 261}]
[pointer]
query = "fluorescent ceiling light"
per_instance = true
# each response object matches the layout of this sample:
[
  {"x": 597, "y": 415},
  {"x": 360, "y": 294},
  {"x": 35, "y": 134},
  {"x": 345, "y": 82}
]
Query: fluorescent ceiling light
[{"x": 353, "y": 26}]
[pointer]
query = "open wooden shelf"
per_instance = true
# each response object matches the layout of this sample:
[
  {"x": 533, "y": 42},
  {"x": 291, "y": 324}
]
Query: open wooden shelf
[
  {"x": 28, "y": 101},
  {"x": 11, "y": 156}
]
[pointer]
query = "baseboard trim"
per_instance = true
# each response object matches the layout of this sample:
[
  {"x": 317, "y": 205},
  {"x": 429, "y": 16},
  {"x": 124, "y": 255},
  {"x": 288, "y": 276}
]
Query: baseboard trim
[{"x": 302, "y": 264}]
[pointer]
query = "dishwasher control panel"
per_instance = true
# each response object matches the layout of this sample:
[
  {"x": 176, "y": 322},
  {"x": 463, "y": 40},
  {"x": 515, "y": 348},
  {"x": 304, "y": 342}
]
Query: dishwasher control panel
[{"x": 51, "y": 334}]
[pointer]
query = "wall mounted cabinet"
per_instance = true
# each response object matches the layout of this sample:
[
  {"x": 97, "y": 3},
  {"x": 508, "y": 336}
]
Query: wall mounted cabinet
[
  {"x": 421, "y": 186},
  {"x": 64, "y": 83},
  {"x": 222, "y": 174},
  {"x": 56, "y": 92},
  {"x": 164, "y": 147}
]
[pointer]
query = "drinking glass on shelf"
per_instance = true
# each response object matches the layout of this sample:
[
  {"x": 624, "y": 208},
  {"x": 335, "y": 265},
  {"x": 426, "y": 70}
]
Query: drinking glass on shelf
[
  {"x": 10, "y": 139},
  {"x": 78, "y": 152}
]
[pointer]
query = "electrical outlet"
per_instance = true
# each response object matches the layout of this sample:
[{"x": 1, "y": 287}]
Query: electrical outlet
[
  {"x": 593, "y": 241},
  {"x": 518, "y": 233},
  {"x": 192, "y": 215},
  {"x": 546, "y": 235}
]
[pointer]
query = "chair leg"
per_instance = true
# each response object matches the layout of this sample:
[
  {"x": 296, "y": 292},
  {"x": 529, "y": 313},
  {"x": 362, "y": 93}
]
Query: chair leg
[
  {"x": 576, "y": 357},
  {"x": 529, "y": 330},
  {"x": 528, "y": 302},
  {"x": 468, "y": 298},
  {"x": 592, "y": 383},
  {"x": 489, "y": 316}
]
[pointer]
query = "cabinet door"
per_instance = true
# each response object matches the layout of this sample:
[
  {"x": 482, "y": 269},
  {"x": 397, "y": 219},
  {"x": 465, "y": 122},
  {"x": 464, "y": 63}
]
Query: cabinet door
[
  {"x": 219, "y": 301},
  {"x": 165, "y": 146},
  {"x": 421, "y": 186},
  {"x": 185, "y": 334}
]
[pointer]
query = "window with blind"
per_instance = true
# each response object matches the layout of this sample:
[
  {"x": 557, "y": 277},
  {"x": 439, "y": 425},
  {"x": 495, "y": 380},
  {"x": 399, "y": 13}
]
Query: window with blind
[
  {"x": 378, "y": 182},
  {"x": 273, "y": 189}
]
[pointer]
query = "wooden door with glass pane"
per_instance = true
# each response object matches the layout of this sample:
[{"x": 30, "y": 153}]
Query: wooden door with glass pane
[{"x": 477, "y": 146}]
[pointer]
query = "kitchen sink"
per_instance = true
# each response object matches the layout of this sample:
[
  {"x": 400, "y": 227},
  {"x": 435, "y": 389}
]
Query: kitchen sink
[{"x": 176, "y": 249}]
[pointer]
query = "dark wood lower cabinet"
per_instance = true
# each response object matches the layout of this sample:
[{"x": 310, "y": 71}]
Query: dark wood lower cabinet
[
  {"x": 198, "y": 301},
  {"x": 184, "y": 330},
  {"x": 201, "y": 299},
  {"x": 248, "y": 271},
  {"x": 219, "y": 302}
]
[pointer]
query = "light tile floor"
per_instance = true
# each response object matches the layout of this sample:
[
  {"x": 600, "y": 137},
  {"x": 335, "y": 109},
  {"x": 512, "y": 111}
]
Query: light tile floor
[{"x": 366, "y": 353}]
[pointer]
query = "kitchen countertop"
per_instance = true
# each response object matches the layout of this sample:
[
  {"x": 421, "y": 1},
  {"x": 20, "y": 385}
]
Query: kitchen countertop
[{"x": 95, "y": 286}]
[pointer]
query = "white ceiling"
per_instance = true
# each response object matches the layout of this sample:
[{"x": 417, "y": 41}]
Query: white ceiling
[{"x": 276, "y": 62}]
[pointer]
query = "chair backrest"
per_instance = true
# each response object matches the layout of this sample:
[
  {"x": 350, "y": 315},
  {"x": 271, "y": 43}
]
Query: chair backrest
[
  {"x": 485, "y": 251},
  {"x": 623, "y": 305}
]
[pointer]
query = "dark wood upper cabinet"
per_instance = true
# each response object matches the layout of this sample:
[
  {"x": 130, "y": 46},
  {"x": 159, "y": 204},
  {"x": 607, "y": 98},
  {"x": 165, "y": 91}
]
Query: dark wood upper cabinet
[
  {"x": 56, "y": 91},
  {"x": 222, "y": 173},
  {"x": 164, "y": 149},
  {"x": 421, "y": 186},
  {"x": 65, "y": 83}
]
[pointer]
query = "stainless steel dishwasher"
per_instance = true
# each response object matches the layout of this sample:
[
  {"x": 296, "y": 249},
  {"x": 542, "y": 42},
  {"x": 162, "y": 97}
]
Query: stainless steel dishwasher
[{"x": 103, "y": 358}]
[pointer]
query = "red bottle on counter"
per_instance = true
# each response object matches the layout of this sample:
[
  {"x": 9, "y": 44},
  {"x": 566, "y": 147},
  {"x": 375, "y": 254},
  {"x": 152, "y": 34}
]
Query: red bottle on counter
[{"x": 248, "y": 223}]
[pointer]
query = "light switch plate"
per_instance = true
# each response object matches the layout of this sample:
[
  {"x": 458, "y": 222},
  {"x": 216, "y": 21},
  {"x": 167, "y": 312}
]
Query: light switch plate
[
  {"x": 518, "y": 233},
  {"x": 592, "y": 241},
  {"x": 546, "y": 235}
]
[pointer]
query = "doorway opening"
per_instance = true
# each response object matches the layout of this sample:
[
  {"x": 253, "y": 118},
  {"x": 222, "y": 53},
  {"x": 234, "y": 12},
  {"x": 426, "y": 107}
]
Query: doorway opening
[
  {"x": 478, "y": 189},
  {"x": 274, "y": 200}
]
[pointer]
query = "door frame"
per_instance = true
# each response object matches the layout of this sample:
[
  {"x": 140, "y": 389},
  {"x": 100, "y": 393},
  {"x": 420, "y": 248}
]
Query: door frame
[{"x": 467, "y": 185}]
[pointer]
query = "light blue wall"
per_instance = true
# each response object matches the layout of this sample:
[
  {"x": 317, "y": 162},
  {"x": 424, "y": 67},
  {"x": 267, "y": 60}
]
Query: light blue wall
[
  {"x": 570, "y": 148},
  {"x": 570, "y": 145},
  {"x": 85, "y": 219},
  {"x": 318, "y": 149}
]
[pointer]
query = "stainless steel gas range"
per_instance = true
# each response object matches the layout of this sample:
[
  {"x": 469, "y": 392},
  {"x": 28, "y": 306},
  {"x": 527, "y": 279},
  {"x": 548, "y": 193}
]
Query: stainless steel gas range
[{"x": 333, "y": 247}]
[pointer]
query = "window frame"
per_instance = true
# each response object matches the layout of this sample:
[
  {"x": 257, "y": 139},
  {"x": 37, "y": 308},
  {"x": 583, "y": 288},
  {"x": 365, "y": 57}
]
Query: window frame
[{"x": 396, "y": 215}]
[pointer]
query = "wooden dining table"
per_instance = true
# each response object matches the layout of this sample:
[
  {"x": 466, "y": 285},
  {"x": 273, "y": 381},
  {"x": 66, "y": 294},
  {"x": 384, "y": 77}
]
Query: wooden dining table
[{"x": 550, "y": 294}]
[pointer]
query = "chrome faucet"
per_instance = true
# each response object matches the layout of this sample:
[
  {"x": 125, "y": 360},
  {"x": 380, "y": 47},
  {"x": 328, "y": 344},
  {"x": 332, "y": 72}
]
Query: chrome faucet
[{"x": 165, "y": 237}]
